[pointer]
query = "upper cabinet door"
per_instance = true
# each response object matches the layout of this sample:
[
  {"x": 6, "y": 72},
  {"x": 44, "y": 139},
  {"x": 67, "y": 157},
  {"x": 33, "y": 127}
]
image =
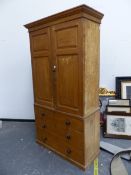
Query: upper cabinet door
[
  {"x": 41, "y": 62},
  {"x": 68, "y": 62}
]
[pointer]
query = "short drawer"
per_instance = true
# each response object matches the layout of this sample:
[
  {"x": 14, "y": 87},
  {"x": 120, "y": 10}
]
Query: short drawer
[
  {"x": 44, "y": 113},
  {"x": 66, "y": 121},
  {"x": 44, "y": 119}
]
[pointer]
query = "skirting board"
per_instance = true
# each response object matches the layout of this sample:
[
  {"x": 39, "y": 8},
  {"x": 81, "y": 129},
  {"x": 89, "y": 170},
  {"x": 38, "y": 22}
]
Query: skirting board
[
  {"x": 18, "y": 120},
  {"x": 0, "y": 124}
]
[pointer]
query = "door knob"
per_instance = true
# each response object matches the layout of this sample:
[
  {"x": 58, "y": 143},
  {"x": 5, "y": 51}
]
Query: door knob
[{"x": 54, "y": 68}]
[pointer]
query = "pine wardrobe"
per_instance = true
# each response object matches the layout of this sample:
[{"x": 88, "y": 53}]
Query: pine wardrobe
[{"x": 65, "y": 51}]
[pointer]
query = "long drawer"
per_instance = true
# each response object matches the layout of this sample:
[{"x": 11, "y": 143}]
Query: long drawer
[
  {"x": 60, "y": 146},
  {"x": 46, "y": 137},
  {"x": 57, "y": 119},
  {"x": 70, "y": 152},
  {"x": 72, "y": 137},
  {"x": 67, "y": 121}
]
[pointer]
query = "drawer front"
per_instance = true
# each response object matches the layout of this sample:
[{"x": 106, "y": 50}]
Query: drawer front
[
  {"x": 44, "y": 119},
  {"x": 70, "y": 152},
  {"x": 49, "y": 139},
  {"x": 46, "y": 137},
  {"x": 75, "y": 155},
  {"x": 44, "y": 113},
  {"x": 72, "y": 137},
  {"x": 67, "y": 122},
  {"x": 60, "y": 146}
]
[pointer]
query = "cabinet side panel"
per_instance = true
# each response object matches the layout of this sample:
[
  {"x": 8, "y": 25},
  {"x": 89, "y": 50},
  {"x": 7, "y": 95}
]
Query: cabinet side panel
[
  {"x": 92, "y": 137},
  {"x": 91, "y": 52}
]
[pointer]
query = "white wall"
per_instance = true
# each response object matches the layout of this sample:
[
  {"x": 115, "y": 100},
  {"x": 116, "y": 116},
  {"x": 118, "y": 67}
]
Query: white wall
[{"x": 16, "y": 94}]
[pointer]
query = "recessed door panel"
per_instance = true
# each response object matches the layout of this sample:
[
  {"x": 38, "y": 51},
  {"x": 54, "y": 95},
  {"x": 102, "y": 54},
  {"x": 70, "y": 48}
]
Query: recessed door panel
[
  {"x": 64, "y": 41},
  {"x": 40, "y": 42},
  {"x": 41, "y": 62},
  {"x": 42, "y": 79},
  {"x": 68, "y": 75},
  {"x": 67, "y": 81}
]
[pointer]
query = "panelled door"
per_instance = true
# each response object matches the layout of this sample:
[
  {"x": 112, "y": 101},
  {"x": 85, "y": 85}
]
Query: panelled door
[
  {"x": 41, "y": 62},
  {"x": 67, "y": 41}
]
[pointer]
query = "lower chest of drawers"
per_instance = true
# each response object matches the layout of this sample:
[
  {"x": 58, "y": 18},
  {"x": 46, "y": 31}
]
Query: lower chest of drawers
[{"x": 61, "y": 133}]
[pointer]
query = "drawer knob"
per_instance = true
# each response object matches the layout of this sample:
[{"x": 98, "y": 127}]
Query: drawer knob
[
  {"x": 67, "y": 122},
  {"x": 43, "y": 114},
  {"x": 45, "y": 139},
  {"x": 68, "y": 151},
  {"x": 68, "y": 137},
  {"x": 44, "y": 126}
]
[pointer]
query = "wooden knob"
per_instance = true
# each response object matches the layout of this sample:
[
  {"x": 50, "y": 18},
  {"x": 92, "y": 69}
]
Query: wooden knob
[
  {"x": 68, "y": 137},
  {"x": 67, "y": 122},
  {"x": 45, "y": 139},
  {"x": 43, "y": 114},
  {"x": 68, "y": 151},
  {"x": 44, "y": 126}
]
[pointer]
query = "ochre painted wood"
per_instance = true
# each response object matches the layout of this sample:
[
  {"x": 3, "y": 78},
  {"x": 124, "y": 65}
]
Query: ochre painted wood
[
  {"x": 41, "y": 62},
  {"x": 91, "y": 52},
  {"x": 92, "y": 139},
  {"x": 66, "y": 54},
  {"x": 65, "y": 67},
  {"x": 82, "y": 11}
]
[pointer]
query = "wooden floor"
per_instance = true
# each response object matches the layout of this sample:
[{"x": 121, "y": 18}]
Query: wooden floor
[{"x": 21, "y": 155}]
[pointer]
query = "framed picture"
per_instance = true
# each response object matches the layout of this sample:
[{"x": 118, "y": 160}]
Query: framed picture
[
  {"x": 123, "y": 87},
  {"x": 126, "y": 90},
  {"x": 121, "y": 109},
  {"x": 118, "y": 126},
  {"x": 119, "y": 102}
]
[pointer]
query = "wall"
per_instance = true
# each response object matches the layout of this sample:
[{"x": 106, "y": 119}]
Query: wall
[{"x": 16, "y": 94}]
